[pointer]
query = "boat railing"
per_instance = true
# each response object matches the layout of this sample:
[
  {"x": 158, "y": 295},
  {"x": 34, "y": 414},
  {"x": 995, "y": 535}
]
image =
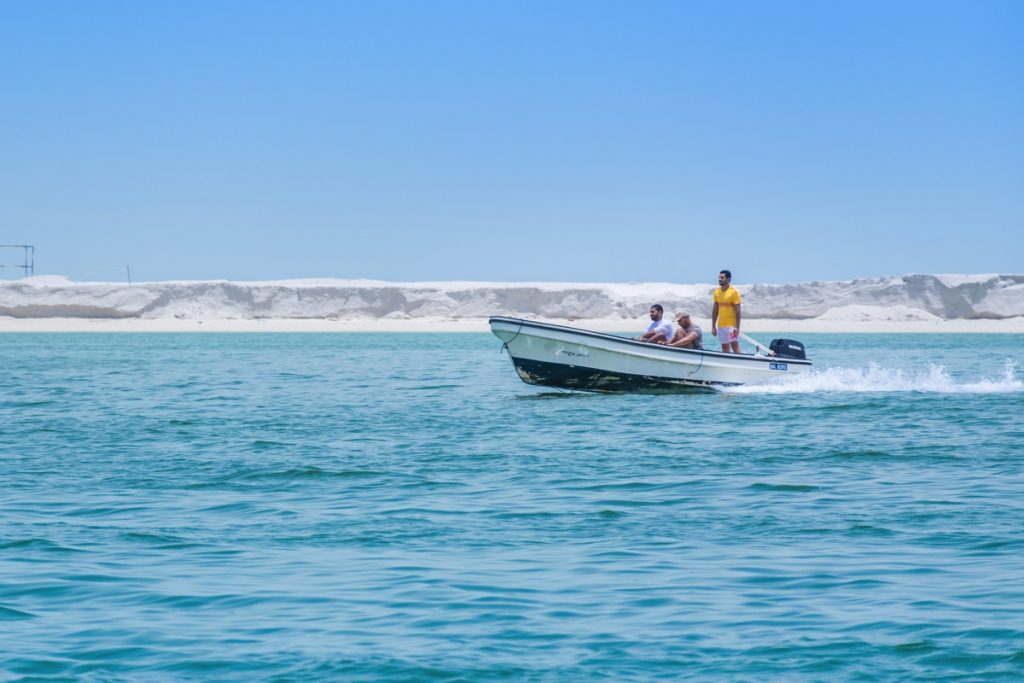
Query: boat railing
[{"x": 759, "y": 348}]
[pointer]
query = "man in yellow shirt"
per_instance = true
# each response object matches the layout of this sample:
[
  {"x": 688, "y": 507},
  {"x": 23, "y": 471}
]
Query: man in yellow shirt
[{"x": 725, "y": 314}]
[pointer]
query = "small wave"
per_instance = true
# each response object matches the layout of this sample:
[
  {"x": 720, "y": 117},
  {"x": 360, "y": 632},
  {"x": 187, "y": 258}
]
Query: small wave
[
  {"x": 267, "y": 444},
  {"x": 28, "y": 404},
  {"x": 36, "y": 544},
  {"x": 875, "y": 378},
  {"x": 305, "y": 472},
  {"x": 785, "y": 488}
]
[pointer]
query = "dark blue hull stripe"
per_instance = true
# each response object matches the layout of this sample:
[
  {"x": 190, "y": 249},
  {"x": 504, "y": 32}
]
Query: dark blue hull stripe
[{"x": 578, "y": 378}]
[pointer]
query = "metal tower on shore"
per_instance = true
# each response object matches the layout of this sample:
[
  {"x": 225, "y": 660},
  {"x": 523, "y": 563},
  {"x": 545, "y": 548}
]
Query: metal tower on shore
[{"x": 28, "y": 265}]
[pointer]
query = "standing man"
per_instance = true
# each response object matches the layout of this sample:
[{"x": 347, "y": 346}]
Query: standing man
[
  {"x": 659, "y": 331},
  {"x": 725, "y": 313}
]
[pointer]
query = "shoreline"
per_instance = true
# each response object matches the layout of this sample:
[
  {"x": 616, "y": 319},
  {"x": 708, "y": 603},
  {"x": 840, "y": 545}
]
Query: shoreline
[{"x": 424, "y": 325}]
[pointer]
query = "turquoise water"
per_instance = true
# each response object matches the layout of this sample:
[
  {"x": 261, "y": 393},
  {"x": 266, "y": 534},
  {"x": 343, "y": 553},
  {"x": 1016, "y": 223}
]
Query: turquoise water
[{"x": 378, "y": 507}]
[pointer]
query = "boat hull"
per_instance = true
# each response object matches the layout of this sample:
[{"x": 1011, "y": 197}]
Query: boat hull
[{"x": 570, "y": 358}]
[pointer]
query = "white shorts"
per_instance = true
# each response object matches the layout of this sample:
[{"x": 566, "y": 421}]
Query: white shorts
[{"x": 726, "y": 335}]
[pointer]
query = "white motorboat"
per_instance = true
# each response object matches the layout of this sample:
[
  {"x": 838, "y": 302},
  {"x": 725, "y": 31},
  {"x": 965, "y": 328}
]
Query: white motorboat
[{"x": 575, "y": 359}]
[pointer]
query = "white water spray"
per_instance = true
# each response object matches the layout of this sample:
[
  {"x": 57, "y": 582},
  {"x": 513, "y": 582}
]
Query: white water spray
[{"x": 875, "y": 378}]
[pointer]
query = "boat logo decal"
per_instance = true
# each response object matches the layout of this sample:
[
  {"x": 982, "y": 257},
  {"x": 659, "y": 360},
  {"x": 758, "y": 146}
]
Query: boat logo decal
[{"x": 778, "y": 366}]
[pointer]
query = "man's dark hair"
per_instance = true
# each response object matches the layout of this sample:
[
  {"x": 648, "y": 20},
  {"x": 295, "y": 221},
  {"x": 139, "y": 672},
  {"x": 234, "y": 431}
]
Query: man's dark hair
[
  {"x": 726, "y": 273},
  {"x": 658, "y": 308}
]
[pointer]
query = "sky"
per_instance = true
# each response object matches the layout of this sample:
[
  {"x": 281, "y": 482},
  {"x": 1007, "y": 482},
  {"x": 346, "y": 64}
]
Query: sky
[{"x": 560, "y": 141}]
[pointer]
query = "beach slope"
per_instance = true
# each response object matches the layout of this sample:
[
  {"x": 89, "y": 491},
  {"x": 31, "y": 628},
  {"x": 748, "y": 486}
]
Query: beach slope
[{"x": 942, "y": 303}]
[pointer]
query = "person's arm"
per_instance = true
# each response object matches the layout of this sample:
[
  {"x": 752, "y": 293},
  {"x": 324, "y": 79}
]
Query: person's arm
[
  {"x": 664, "y": 333},
  {"x": 650, "y": 335},
  {"x": 737, "y": 320},
  {"x": 684, "y": 340},
  {"x": 714, "y": 319}
]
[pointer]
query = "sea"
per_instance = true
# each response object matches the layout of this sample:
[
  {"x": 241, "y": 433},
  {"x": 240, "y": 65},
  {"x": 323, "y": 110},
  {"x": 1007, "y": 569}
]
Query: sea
[{"x": 401, "y": 507}]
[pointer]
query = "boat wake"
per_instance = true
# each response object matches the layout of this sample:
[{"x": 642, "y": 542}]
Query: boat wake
[{"x": 875, "y": 378}]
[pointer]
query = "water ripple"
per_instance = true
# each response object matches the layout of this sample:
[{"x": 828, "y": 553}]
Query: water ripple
[{"x": 401, "y": 507}]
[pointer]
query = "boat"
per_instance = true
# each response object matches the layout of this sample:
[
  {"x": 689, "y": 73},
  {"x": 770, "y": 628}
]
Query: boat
[{"x": 575, "y": 359}]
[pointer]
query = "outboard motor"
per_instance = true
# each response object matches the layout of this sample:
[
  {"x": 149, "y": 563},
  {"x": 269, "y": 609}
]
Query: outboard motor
[{"x": 788, "y": 348}]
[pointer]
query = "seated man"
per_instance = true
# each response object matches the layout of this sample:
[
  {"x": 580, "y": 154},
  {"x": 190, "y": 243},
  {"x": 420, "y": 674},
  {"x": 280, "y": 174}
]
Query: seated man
[
  {"x": 659, "y": 331},
  {"x": 688, "y": 336}
]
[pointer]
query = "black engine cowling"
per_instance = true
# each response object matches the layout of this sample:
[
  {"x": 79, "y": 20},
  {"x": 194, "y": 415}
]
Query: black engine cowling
[{"x": 788, "y": 348}]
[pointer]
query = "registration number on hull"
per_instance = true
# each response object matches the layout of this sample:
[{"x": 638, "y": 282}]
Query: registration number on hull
[{"x": 779, "y": 366}]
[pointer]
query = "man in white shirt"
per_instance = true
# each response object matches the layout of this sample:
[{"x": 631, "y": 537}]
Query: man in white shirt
[{"x": 659, "y": 331}]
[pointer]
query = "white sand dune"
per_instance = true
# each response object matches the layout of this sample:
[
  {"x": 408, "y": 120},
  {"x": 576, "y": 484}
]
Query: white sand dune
[{"x": 907, "y": 303}]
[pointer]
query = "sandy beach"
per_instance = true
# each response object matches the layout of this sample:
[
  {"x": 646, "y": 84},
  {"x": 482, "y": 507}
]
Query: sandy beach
[
  {"x": 391, "y": 325},
  {"x": 913, "y": 304}
]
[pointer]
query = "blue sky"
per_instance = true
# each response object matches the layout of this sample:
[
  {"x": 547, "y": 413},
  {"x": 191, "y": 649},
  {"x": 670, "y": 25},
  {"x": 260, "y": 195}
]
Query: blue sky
[{"x": 566, "y": 141}]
